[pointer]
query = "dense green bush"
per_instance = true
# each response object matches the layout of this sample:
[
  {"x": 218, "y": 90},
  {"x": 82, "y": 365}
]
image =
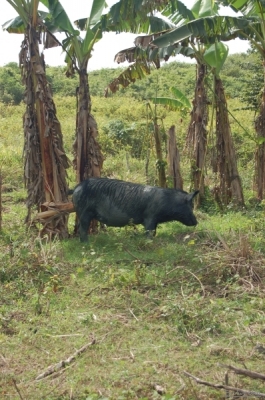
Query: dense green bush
[
  {"x": 60, "y": 84},
  {"x": 11, "y": 88},
  {"x": 238, "y": 71},
  {"x": 131, "y": 135}
]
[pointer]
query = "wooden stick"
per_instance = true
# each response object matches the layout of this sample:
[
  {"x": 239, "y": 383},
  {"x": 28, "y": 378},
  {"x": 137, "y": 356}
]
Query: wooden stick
[
  {"x": 227, "y": 393},
  {"x": 220, "y": 386},
  {"x": 61, "y": 364},
  {"x": 131, "y": 311},
  {"x": 50, "y": 205},
  {"x": 49, "y": 209},
  {"x": 61, "y": 336},
  {"x": 245, "y": 372},
  {"x": 17, "y": 389}
]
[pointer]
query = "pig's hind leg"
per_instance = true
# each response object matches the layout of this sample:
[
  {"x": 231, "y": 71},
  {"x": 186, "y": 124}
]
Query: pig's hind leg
[{"x": 84, "y": 222}]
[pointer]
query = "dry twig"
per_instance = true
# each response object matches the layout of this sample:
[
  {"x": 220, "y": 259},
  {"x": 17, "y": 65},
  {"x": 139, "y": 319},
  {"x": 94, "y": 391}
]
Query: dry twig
[
  {"x": 245, "y": 372},
  {"x": 61, "y": 364},
  {"x": 131, "y": 311},
  {"x": 62, "y": 336},
  {"x": 225, "y": 387},
  {"x": 17, "y": 389}
]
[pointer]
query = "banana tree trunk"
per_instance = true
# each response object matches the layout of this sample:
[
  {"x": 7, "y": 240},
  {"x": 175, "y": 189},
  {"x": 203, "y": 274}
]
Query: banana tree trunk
[
  {"x": 174, "y": 159},
  {"x": 230, "y": 182},
  {"x": 197, "y": 133},
  {"x": 45, "y": 161},
  {"x": 160, "y": 163},
  {"x": 88, "y": 157},
  {"x": 259, "y": 179}
]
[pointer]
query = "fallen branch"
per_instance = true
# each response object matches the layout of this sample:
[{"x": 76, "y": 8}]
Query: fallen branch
[
  {"x": 17, "y": 389},
  {"x": 225, "y": 387},
  {"x": 62, "y": 364},
  {"x": 245, "y": 372},
  {"x": 131, "y": 311},
  {"x": 50, "y": 209},
  {"x": 60, "y": 336}
]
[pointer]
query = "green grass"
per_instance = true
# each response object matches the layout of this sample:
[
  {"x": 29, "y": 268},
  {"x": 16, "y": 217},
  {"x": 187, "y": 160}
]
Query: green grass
[{"x": 189, "y": 300}]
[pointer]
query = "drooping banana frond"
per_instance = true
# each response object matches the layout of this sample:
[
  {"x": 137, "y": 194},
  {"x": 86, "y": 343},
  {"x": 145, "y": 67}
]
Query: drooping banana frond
[
  {"x": 131, "y": 54},
  {"x": 147, "y": 43},
  {"x": 179, "y": 14},
  {"x": 132, "y": 10},
  {"x": 215, "y": 56},
  {"x": 179, "y": 102},
  {"x": 138, "y": 70},
  {"x": 143, "y": 55},
  {"x": 14, "y": 25},
  {"x": 57, "y": 19},
  {"x": 248, "y": 8},
  {"x": 134, "y": 16},
  {"x": 210, "y": 29}
]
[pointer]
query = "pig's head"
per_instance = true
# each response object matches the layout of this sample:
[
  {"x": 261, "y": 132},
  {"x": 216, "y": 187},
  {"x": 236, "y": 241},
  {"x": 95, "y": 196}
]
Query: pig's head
[{"x": 184, "y": 212}]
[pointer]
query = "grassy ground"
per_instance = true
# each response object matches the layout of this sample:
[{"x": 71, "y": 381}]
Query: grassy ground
[
  {"x": 191, "y": 300},
  {"x": 143, "y": 312}
]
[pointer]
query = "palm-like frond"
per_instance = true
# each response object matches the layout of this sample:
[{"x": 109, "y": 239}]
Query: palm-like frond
[
  {"x": 14, "y": 25},
  {"x": 178, "y": 102},
  {"x": 57, "y": 19},
  {"x": 209, "y": 29},
  {"x": 138, "y": 70},
  {"x": 215, "y": 56},
  {"x": 179, "y": 14},
  {"x": 247, "y": 7}
]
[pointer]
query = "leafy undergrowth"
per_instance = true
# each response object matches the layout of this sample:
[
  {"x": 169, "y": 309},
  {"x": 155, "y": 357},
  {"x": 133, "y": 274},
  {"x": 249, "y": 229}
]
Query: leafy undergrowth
[{"x": 191, "y": 300}]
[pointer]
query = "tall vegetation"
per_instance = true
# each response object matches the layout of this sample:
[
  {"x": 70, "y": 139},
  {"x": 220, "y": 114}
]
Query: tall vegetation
[
  {"x": 230, "y": 186},
  {"x": 250, "y": 26},
  {"x": 163, "y": 45},
  {"x": 88, "y": 158},
  {"x": 45, "y": 160}
]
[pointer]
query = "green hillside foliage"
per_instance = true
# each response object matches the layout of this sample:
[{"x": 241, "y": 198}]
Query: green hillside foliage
[
  {"x": 11, "y": 88},
  {"x": 238, "y": 70},
  {"x": 126, "y": 137},
  {"x": 123, "y": 121}
]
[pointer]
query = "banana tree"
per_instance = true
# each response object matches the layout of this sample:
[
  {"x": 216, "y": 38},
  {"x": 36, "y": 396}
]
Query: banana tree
[
  {"x": 196, "y": 29},
  {"x": 88, "y": 158},
  {"x": 197, "y": 134},
  {"x": 189, "y": 34},
  {"x": 79, "y": 52},
  {"x": 253, "y": 13},
  {"x": 230, "y": 186},
  {"x": 45, "y": 161},
  {"x": 144, "y": 56},
  {"x": 250, "y": 25},
  {"x": 179, "y": 102}
]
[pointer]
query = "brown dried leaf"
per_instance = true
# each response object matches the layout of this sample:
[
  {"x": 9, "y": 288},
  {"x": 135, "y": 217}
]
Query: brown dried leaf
[{"x": 50, "y": 41}]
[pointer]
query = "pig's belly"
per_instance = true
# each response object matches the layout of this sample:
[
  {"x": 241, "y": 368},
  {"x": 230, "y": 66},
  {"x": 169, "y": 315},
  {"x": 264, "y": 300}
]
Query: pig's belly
[{"x": 115, "y": 217}]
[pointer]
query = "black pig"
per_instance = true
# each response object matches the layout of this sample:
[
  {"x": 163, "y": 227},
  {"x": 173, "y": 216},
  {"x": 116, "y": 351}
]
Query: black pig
[{"x": 118, "y": 203}]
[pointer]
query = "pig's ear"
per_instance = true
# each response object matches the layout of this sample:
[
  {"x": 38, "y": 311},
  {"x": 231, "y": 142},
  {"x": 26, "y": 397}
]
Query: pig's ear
[{"x": 192, "y": 195}]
